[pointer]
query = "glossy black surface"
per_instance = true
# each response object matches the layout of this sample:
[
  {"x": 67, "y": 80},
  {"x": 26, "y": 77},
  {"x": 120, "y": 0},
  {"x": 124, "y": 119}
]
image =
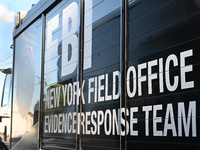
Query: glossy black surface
[{"x": 26, "y": 91}]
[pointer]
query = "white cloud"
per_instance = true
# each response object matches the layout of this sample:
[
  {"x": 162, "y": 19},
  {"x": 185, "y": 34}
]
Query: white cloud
[{"x": 6, "y": 15}]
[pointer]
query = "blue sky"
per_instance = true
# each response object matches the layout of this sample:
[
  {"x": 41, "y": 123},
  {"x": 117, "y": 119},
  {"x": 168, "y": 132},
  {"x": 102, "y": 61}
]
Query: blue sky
[{"x": 8, "y": 8}]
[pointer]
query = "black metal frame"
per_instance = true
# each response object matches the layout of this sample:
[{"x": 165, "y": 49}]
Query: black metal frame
[
  {"x": 80, "y": 68},
  {"x": 42, "y": 82}
]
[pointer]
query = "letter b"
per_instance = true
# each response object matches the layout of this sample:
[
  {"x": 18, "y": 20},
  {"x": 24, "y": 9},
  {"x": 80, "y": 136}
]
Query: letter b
[{"x": 69, "y": 39}]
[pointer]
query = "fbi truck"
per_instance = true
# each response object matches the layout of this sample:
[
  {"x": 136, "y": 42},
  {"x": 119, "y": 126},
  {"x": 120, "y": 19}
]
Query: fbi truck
[{"x": 104, "y": 75}]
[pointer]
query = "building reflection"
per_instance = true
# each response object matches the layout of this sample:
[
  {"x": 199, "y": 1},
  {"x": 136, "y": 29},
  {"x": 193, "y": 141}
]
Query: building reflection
[{"x": 24, "y": 123}]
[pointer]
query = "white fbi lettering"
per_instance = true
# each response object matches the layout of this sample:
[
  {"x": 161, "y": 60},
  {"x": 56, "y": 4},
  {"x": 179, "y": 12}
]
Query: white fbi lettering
[{"x": 69, "y": 34}]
